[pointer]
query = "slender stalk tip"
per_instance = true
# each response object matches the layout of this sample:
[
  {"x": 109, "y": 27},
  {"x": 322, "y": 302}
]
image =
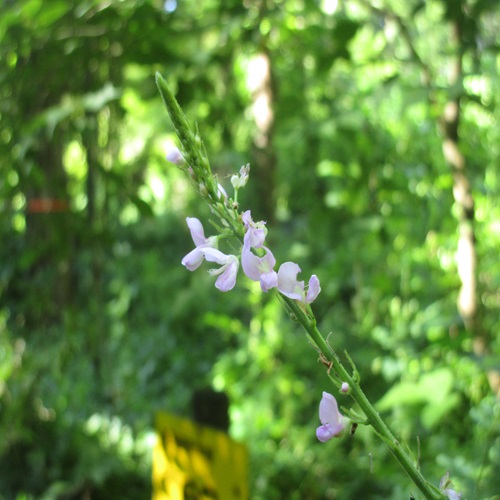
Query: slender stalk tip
[
  {"x": 158, "y": 78},
  {"x": 162, "y": 85}
]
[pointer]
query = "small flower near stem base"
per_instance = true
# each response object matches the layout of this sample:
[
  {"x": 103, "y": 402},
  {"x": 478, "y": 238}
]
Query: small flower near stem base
[
  {"x": 344, "y": 388},
  {"x": 452, "y": 494},
  {"x": 330, "y": 418},
  {"x": 445, "y": 485}
]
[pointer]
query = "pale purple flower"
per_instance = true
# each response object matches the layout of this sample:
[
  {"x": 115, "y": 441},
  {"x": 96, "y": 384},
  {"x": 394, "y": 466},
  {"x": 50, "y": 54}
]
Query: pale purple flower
[
  {"x": 228, "y": 270},
  {"x": 194, "y": 258},
  {"x": 452, "y": 494},
  {"x": 445, "y": 485},
  {"x": 293, "y": 289},
  {"x": 175, "y": 156},
  {"x": 238, "y": 181},
  {"x": 205, "y": 249},
  {"x": 260, "y": 268},
  {"x": 255, "y": 232},
  {"x": 330, "y": 418}
]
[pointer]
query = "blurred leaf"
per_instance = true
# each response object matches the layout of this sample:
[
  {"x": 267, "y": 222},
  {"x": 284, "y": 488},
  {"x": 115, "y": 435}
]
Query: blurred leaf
[
  {"x": 433, "y": 390},
  {"x": 95, "y": 101}
]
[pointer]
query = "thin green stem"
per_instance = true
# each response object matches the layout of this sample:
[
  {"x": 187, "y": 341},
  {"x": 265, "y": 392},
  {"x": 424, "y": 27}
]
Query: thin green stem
[
  {"x": 196, "y": 159},
  {"x": 309, "y": 324}
]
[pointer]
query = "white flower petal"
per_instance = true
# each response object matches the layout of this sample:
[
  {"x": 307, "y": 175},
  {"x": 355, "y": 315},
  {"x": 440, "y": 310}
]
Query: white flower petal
[
  {"x": 193, "y": 259},
  {"x": 214, "y": 255},
  {"x": 324, "y": 433},
  {"x": 221, "y": 192},
  {"x": 268, "y": 280},
  {"x": 227, "y": 279},
  {"x": 254, "y": 266},
  {"x": 313, "y": 289},
  {"x": 287, "y": 281},
  {"x": 197, "y": 232},
  {"x": 329, "y": 414},
  {"x": 452, "y": 494}
]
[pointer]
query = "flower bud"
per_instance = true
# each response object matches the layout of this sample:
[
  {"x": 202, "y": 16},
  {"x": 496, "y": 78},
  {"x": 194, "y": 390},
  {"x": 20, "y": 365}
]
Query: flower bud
[
  {"x": 203, "y": 189},
  {"x": 238, "y": 181},
  {"x": 175, "y": 156}
]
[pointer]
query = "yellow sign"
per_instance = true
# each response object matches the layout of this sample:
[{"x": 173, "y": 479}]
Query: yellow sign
[{"x": 194, "y": 462}]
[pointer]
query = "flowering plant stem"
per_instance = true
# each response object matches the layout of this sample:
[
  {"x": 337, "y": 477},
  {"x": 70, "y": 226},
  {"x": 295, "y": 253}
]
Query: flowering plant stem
[
  {"x": 198, "y": 168},
  {"x": 308, "y": 322}
]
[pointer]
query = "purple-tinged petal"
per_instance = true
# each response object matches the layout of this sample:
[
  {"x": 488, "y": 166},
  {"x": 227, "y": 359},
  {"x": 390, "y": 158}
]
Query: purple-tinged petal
[
  {"x": 313, "y": 289},
  {"x": 324, "y": 433},
  {"x": 197, "y": 232},
  {"x": 445, "y": 481},
  {"x": 452, "y": 494},
  {"x": 175, "y": 156},
  {"x": 328, "y": 409},
  {"x": 330, "y": 416},
  {"x": 227, "y": 279},
  {"x": 445, "y": 485},
  {"x": 267, "y": 262},
  {"x": 227, "y": 272},
  {"x": 214, "y": 255},
  {"x": 255, "y": 233},
  {"x": 246, "y": 217},
  {"x": 250, "y": 263},
  {"x": 287, "y": 281},
  {"x": 268, "y": 280},
  {"x": 254, "y": 266},
  {"x": 193, "y": 259},
  {"x": 254, "y": 237}
]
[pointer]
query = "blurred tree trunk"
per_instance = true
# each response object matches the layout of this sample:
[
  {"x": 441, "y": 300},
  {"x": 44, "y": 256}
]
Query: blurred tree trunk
[
  {"x": 449, "y": 127},
  {"x": 466, "y": 252},
  {"x": 466, "y": 257},
  {"x": 94, "y": 213},
  {"x": 49, "y": 239},
  {"x": 49, "y": 229},
  {"x": 263, "y": 149}
]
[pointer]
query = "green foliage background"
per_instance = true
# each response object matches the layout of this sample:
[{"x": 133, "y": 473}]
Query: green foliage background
[{"x": 100, "y": 325}]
